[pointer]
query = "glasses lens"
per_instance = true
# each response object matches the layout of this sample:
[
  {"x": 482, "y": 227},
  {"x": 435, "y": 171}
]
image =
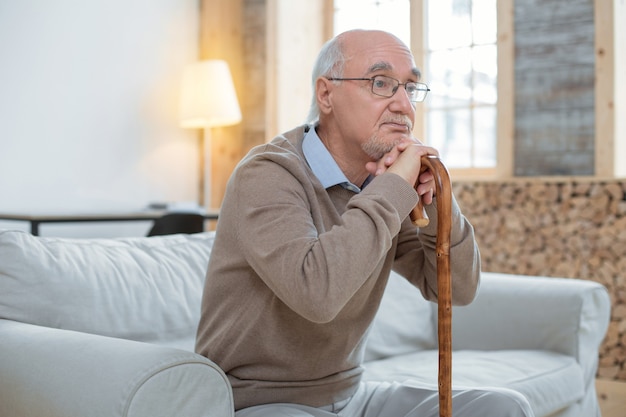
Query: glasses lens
[
  {"x": 384, "y": 86},
  {"x": 412, "y": 91},
  {"x": 387, "y": 87},
  {"x": 416, "y": 91}
]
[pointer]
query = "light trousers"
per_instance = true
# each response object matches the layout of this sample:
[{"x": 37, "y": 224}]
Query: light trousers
[{"x": 385, "y": 399}]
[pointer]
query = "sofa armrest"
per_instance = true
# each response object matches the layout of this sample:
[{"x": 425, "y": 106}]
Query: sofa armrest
[
  {"x": 62, "y": 373},
  {"x": 567, "y": 316}
]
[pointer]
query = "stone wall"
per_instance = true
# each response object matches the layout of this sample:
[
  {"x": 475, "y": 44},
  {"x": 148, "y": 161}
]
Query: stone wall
[{"x": 570, "y": 227}]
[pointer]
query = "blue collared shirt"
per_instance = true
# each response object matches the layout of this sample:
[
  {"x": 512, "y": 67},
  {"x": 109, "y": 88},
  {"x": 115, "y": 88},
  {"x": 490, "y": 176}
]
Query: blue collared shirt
[{"x": 323, "y": 164}]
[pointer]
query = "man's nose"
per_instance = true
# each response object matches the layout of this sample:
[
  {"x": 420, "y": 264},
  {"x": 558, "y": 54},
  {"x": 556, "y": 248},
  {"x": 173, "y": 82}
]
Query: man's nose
[{"x": 401, "y": 101}]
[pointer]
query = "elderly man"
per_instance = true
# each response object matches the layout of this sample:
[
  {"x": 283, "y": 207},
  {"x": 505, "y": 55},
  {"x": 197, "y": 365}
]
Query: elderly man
[{"x": 311, "y": 225}]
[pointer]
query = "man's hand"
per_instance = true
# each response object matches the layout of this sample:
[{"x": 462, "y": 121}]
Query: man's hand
[{"x": 405, "y": 161}]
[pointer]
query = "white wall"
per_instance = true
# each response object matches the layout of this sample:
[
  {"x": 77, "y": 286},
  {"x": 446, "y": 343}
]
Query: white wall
[{"x": 88, "y": 107}]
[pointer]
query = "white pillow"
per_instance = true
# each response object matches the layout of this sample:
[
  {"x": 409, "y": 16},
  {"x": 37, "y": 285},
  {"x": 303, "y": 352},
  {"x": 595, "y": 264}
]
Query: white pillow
[
  {"x": 405, "y": 322},
  {"x": 144, "y": 289}
]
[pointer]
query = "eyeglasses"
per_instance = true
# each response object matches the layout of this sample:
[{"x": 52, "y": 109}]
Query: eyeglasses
[{"x": 386, "y": 87}]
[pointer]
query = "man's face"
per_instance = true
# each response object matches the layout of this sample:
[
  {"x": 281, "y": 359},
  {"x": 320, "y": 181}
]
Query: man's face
[{"x": 374, "y": 123}]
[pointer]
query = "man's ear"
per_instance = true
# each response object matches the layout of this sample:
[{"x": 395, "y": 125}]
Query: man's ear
[{"x": 323, "y": 89}]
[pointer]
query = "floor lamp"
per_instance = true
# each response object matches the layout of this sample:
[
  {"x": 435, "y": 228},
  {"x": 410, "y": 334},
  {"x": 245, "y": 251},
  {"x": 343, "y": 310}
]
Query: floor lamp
[{"x": 208, "y": 99}]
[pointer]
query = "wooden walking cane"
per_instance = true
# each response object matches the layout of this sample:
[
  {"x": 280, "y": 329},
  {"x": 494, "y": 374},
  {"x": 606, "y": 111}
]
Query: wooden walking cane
[{"x": 444, "y": 290}]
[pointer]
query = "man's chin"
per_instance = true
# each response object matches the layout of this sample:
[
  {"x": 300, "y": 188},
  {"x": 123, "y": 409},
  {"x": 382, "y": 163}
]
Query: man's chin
[
  {"x": 377, "y": 152},
  {"x": 376, "y": 149}
]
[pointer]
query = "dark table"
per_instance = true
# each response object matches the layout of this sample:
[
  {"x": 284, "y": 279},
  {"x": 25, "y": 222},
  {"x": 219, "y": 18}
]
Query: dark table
[{"x": 36, "y": 219}]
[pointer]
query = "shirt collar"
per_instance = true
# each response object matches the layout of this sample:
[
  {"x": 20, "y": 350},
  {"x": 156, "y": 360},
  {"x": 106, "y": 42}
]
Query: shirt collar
[{"x": 323, "y": 164}]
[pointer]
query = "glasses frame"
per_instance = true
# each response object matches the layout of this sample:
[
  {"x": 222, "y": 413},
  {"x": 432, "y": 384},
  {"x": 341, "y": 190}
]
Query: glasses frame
[{"x": 420, "y": 86}]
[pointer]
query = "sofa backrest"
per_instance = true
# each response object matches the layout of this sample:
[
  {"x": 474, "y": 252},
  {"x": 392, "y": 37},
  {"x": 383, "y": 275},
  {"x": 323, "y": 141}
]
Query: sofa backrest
[
  {"x": 405, "y": 322},
  {"x": 150, "y": 289},
  {"x": 144, "y": 289}
]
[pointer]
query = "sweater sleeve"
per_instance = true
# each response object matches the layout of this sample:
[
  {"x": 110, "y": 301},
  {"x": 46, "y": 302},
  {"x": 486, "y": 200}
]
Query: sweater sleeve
[{"x": 313, "y": 251}]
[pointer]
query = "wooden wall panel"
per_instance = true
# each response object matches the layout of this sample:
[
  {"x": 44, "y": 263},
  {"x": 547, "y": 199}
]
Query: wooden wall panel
[
  {"x": 234, "y": 30},
  {"x": 609, "y": 144},
  {"x": 221, "y": 38},
  {"x": 254, "y": 69}
]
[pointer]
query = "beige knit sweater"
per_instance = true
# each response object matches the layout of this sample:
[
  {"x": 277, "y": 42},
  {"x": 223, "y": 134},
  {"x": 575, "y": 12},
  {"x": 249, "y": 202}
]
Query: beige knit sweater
[{"x": 297, "y": 273}]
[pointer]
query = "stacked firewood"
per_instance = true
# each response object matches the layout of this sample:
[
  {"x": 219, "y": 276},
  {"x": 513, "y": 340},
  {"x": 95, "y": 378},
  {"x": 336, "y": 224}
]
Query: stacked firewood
[{"x": 573, "y": 228}]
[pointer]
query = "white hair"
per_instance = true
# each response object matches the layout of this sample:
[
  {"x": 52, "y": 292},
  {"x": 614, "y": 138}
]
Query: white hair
[{"x": 329, "y": 63}]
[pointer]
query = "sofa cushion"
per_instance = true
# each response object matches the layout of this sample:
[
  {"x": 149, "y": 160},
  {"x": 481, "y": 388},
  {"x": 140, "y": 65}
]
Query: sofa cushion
[
  {"x": 144, "y": 289},
  {"x": 550, "y": 381},
  {"x": 405, "y": 322}
]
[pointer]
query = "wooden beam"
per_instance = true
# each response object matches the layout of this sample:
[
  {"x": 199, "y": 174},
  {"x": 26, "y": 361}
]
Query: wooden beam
[
  {"x": 418, "y": 48},
  {"x": 619, "y": 27},
  {"x": 604, "y": 89},
  {"x": 221, "y": 37},
  {"x": 506, "y": 90}
]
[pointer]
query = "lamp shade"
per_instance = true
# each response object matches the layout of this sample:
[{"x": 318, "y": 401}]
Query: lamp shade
[{"x": 208, "y": 96}]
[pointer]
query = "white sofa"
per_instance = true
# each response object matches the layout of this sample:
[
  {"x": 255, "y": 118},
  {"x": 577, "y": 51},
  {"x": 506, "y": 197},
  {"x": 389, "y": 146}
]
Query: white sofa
[{"x": 106, "y": 327}]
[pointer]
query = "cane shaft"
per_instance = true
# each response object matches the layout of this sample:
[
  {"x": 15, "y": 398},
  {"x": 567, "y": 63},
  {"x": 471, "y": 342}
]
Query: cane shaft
[{"x": 444, "y": 291}]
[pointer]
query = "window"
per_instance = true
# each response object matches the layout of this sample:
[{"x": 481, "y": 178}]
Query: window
[{"x": 462, "y": 73}]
